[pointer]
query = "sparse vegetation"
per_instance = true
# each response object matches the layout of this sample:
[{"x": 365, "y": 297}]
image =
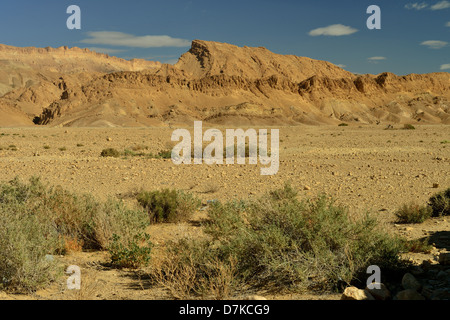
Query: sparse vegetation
[
  {"x": 343, "y": 125},
  {"x": 276, "y": 242},
  {"x": 133, "y": 254},
  {"x": 168, "y": 205},
  {"x": 110, "y": 152},
  {"x": 37, "y": 222},
  {"x": 418, "y": 246},
  {"x": 413, "y": 213},
  {"x": 440, "y": 203},
  {"x": 408, "y": 127}
]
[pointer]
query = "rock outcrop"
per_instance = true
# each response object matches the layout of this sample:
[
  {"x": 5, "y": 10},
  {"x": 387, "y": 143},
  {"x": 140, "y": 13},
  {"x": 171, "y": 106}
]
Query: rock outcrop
[{"x": 216, "y": 83}]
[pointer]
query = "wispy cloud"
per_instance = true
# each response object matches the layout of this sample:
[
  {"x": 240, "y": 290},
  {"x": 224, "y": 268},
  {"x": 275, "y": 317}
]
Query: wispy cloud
[
  {"x": 341, "y": 66},
  {"x": 335, "y": 30},
  {"x": 435, "y": 44},
  {"x": 441, "y": 5},
  {"x": 445, "y": 66},
  {"x": 128, "y": 40},
  {"x": 447, "y": 24},
  {"x": 416, "y": 6},
  {"x": 376, "y": 59}
]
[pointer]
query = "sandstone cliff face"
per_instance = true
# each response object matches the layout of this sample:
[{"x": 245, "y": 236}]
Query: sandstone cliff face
[{"x": 224, "y": 84}]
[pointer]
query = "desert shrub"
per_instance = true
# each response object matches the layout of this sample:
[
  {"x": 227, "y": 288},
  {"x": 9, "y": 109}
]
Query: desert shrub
[
  {"x": 168, "y": 205},
  {"x": 110, "y": 152},
  {"x": 37, "y": 221},
  {"x": 25, "y": 243},
  {"x": 287, "y": 193},
  {"x": 440, "y": 203},
  {"x": 194, "y": 268},
  {"x": 408, "y": 127},
  {"x": 418, "y": 246},
  {"x": 282, "y": 243},
  {"x": 413, "y": 213},
  {"x": 164, "y": 154},
  {"x": 133, "y": 253},
  {"x": 343, "y": 125}
]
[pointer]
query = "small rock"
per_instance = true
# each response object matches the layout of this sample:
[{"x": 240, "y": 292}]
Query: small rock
[
  {"x": 353, "y": 293},
  {"x": 409, "y": 294},
  {"x": 435, "y": 185},
  {"x": 441, "y": 294},
  {"x": 442, "y": 275},
  {"x": 417, "y": 271},
  {"x": 427, "y": 292},
  {"x": 410, "y": 282},
  {"x": 444, "y": 258},
  {"x": 307, "y": 188},
  {"x": 109, "y": 139},
  {"x": 380, "y": 294}
]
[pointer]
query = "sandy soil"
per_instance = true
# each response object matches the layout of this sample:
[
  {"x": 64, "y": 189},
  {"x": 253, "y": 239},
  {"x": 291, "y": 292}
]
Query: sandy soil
[{"x": 362, "y": 167}]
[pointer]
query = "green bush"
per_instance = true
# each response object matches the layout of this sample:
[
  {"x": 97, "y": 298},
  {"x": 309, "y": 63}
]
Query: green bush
[
  {"x": 164, "y": 154},
  {"x": 110, "y": 152},
  {"x": 168, "y": 205},
  {"x": 37, "y": 221},
  {"x": 409, "y": 127},
  {"x": 279, "y": 242},
  {"x": 440, "y": 203},
  {"x": 413, "y": 213},
  {"x": 130, "y": 254}
]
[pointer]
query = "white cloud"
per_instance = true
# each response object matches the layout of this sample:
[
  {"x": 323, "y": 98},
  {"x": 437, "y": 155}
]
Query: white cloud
[
  {"x": 416, "y": 6},
  {"x": 374, "y": 59},
  {"x": 333, "y": 30},
  {"x": 447, "y": 24},
  {"x": 435, "y": 44},
  {"x": 445, "y": 66},
  {"x": 341, "y": 66},
  {"x": 441, "y": 5},
  {"x": 128, "y": 40}
]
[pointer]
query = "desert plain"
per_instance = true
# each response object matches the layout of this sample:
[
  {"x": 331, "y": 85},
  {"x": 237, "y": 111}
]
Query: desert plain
[{"x": 363, "y": 167}]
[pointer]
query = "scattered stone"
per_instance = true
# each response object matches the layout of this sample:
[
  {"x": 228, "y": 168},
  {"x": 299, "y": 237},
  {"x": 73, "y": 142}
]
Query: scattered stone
[
  {"x": 442, "y": 275},
  {"x": 409, "y": 294},
  {"x": 380, "y": 294},
  {"x": 410, "y": 282},
  {"x": 427, "y": 292},
  {"x": 444, "y": 258},
  {"x": 307, "y": 188},
  {"x": 109, "y": 139},
  {"x": 353, "y": 293},
  {"x": 417, "y": 271},
  {"x": 435, "y": 185},
  {"x": 441, "y": 294}
]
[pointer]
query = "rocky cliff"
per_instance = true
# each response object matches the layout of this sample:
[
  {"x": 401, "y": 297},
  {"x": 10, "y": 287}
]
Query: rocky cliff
[{"x": 217, "y": 83}]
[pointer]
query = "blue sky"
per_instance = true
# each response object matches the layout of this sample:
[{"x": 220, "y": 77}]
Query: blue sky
[{"x": 414, "y": 35}]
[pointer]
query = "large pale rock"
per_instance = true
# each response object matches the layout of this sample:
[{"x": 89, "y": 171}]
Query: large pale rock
[{"x": 353, "y": 293}]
